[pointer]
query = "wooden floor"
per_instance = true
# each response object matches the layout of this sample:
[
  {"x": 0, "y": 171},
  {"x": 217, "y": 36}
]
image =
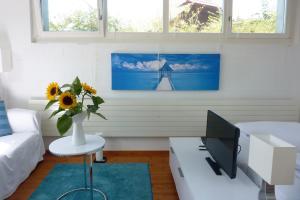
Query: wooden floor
[{"x": 162, "y": 182}]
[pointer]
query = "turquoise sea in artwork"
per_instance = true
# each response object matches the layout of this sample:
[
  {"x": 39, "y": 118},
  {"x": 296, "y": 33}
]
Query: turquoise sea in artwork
[{"x": 179, "y": 72}]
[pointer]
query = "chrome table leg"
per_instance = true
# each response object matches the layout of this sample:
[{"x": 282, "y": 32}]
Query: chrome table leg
[
  {"x": 85, "y": 188},
  {"x": 91, "y": 176},
  {"x": 84, "y": 170}
]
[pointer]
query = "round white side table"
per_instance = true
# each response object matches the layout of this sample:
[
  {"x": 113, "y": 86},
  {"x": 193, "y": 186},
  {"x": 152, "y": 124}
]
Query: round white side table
[{"x": 64, "y": 147}]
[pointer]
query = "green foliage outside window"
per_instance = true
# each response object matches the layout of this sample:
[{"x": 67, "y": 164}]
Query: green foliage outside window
[
  {"x": 188, "y": 21},
  {"x": 267, "y": 24},
  {"x": 115, "y": 25},
  {"x": 184, "y": 22},
  {"x": 78, "y": 21}
]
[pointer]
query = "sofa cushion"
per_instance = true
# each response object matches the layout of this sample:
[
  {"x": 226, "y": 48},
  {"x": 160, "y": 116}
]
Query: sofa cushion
[
  {"x": 5, "y": 128},
  {"x": 10, "y": 143},
  {"x": 23, "y": 120}
]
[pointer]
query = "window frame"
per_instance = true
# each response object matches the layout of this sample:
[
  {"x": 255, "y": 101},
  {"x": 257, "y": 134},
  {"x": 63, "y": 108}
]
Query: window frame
[
  {"x": 284, "y": 35},
  {"x": 203, "y": 34},
  {"x": 38, "y": 34}
]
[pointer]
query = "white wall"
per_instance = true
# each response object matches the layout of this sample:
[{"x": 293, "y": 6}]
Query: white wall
[{"x": 249, "y": 69}]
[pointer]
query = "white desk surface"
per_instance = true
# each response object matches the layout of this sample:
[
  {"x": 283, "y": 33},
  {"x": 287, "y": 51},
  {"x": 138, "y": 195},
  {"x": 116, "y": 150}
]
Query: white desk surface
[
  {"x": 64, "y": 147},
  {"x": 203, "y": 183}
]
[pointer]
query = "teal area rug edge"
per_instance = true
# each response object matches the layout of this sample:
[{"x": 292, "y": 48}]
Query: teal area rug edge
[{"x": 118, "y": 181}]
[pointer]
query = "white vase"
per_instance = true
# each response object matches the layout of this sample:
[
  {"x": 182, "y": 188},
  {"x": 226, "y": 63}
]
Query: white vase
[{"x": 78, "y": 136}]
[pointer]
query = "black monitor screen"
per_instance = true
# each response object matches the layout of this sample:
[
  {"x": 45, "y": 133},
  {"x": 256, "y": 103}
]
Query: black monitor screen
[{"x": 222, "y": 142}]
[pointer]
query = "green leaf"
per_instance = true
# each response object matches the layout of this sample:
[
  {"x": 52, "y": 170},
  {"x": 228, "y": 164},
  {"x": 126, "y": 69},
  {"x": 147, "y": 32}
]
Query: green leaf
[
  {"x": 92, "y": 108},
  {"x": 63, "y": 124},
  {"x": 55, "y": 112},
  {"x": 76, "y": 81},
  {"x": 69, "y": 113},
  {"x": 66, "y": 85},
  {"x": 97, "y": 100},
  {"x": 76, "y": 110},
  {"x": 100, "y": 115},
  {"x": 50, "y": 103},
  {"x": 73, "y": 111},
  {"x": 76, "y": 86}
]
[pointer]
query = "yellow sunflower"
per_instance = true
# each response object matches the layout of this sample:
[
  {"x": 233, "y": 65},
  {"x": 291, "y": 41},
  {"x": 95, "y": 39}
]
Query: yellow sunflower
[
  {"x": 67, "y": 100},
  {"x": 88, "y": 88},
  {"x": 52, "y": 91}
]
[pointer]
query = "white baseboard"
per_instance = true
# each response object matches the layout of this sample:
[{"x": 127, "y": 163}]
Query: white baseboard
[{"x": 128, "y": 144}]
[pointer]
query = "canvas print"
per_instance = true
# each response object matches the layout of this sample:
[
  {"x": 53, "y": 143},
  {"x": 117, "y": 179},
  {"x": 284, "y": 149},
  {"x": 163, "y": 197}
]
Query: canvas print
[{"x": 166, "y": 72}]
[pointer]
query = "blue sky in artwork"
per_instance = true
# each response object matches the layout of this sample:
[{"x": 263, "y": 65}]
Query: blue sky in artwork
[
  {"x": 192, "y": 62},
  {"x": 153, "y": 62},
  {"x": 134, "y": 62}
]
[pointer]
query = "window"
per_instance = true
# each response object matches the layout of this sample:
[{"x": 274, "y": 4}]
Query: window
[
  {"x": 69, "y": 15},
  {"x": 135, "y": 16},
  {"x": 258, "y": 16},
  {"x": 119, "y": 19},
  {"x": 204, "y": 16}
]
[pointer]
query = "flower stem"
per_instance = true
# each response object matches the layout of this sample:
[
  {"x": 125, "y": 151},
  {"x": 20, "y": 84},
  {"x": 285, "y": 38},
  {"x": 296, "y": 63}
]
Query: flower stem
[{"x": 82, "y": 101}]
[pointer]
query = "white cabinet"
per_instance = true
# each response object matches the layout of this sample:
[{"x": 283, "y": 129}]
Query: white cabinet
[
  {"x": 195, "y": 180},
  {"x": 178, "y": 175}
]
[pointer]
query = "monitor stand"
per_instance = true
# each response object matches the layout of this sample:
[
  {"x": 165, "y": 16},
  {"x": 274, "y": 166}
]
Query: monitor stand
[{"x": 214, "y": 166}]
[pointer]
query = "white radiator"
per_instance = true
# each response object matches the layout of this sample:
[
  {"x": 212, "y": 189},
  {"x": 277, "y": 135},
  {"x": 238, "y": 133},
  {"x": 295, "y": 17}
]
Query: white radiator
[{"x": 172, "y": 117}]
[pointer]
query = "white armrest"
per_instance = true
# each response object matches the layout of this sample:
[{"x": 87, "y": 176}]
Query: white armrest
[{"x": 22, "y": 120}]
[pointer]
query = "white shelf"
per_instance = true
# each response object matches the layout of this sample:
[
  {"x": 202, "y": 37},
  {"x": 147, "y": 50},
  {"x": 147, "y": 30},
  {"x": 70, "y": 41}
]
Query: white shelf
[{"x": 195, "y": 180}]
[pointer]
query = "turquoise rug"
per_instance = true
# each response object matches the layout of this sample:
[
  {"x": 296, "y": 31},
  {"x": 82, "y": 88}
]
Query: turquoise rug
[{"x": 118, "y": 181}]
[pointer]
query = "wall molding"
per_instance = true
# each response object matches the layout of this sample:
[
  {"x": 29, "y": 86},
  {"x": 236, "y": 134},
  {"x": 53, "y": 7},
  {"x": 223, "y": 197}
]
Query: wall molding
[{"x": 172, "y": 117}]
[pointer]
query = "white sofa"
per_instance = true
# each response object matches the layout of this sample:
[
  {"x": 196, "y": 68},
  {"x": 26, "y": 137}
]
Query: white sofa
[{"x": 21, "y": 151}]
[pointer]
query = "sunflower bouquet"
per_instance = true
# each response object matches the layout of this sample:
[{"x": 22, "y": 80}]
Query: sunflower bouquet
[{"x": 70, "y": 98}]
